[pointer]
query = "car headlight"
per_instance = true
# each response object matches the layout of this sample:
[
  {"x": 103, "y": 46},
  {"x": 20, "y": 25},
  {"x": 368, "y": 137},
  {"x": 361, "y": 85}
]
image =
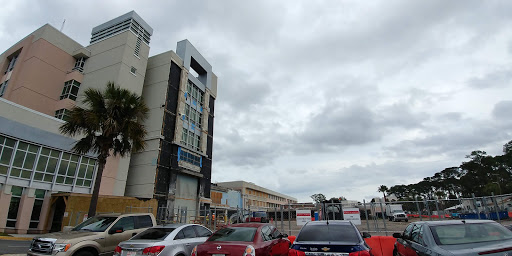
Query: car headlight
[{"x": 61, "y": 247}]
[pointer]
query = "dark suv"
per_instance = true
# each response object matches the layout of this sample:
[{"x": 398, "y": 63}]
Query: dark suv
[{"x": 335, "y": 237}]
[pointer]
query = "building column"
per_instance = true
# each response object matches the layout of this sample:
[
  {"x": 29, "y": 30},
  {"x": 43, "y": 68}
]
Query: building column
[
  {"x": 5, "y": 201},
  {"x": 45, "y": 211},
  {"x": 25, "y": 210}
]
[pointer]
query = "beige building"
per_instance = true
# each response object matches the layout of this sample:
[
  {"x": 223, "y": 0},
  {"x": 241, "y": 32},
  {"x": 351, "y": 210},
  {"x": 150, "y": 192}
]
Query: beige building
[
  {"x": 46, "y": 73},
  {"x": 256, "y": 198}
]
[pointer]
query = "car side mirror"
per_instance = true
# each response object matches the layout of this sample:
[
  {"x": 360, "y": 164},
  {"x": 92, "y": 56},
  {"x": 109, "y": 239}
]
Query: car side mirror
[
  {"x": 397, "y": 235},
  {"x": 116, "y": 230},
  {"x": 366, "y": 235}
]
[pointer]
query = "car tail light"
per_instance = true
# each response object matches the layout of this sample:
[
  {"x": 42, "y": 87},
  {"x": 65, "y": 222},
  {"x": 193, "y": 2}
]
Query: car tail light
[
  {"x": 249, "y": 251},
  {"x": 360, "y": 253},
  {"x": 117, "y": 251},
  {"x": 194, "y": 251},
  {"x": 293, "y": 252},
  {"x": 153, "y": 251}
]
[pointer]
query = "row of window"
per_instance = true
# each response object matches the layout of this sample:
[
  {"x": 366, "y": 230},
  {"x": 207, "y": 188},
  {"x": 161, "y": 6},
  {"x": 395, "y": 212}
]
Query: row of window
[
  {"x": 12, "y": 61},
  {"x": 190, "y": 139},
  {"x": 195, "y": 93},
  {"x": 12, "y": 214},
  {"x": 194, "y": 117},
  {"x": 28, "y": 161},
  {"x": 190, "y": 157},
  {"x": 3, "y": 88}
]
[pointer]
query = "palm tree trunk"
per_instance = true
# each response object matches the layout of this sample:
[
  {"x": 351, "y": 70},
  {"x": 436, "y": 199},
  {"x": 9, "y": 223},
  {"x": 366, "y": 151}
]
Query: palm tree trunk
[{"x": 96, "y": 190}]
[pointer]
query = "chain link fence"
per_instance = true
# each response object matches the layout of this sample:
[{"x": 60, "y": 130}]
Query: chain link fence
[{"x": 377, "y": 218}]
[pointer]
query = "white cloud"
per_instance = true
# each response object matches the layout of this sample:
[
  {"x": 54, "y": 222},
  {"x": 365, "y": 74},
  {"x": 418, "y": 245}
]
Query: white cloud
[{"x": 328, "y": 97}]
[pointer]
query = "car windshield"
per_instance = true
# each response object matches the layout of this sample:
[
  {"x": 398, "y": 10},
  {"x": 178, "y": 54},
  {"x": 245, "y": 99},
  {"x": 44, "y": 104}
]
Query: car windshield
[
  {"x": 153, "y": 234},
  {"x": 95, "y": 224},
  {"x": 469, "y": 233},
  {"x": 330, "y": 233},
  {"x": 241, "y": 234}
]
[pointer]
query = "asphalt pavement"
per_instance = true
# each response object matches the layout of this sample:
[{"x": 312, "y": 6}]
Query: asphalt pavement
[{"x": 14, "y": 247}]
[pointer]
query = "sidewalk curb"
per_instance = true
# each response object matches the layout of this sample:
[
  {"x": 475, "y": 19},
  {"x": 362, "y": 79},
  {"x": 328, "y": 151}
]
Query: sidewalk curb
[{"x": 12, "y": 238}]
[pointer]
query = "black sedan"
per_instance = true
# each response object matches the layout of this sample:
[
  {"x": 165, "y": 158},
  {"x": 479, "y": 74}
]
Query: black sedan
[{"x": 454, "y": 237}]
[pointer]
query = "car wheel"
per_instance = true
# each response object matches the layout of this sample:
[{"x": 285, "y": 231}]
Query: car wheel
[
  {"x": 406, "y": 220},
  {"x": 395, "y": 253},
  {"x": 83, "y": 253}
]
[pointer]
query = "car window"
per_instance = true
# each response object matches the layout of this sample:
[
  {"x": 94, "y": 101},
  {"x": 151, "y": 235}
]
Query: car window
[
  {"x": 469, "y": 233},
  {"x": 407, "y": 231},
  {"x": 144, "y": 221},
  {"x": 242, "y": 234},
  {"x": 275, "y": 233},
  {"x": 153, "y": 234},
  {"x": 95, "y": 224},
  {"x": 417, "y": 234},
  {"x": 189, "y": 232},
  {"x": 126, "y": 223},
  {"x": 265, "y": 233},
  {"x": 202, "y": 231},
  {"x": 333, "y": 233},
  {"x": 179, "y": 236}
]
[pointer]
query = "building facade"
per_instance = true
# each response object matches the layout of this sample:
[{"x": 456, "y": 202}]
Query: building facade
[
  {"x": 46, "y": 73},
  {"x": 255, "y": 198}
]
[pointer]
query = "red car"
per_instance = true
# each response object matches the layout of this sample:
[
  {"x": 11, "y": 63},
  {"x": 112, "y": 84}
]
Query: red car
[{"x": 245, "y": 239}]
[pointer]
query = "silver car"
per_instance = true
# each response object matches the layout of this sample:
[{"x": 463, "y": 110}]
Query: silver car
[{"x": 168, "y": 240}]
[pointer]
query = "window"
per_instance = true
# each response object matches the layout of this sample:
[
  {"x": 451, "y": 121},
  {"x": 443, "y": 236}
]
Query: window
[
  {"x": 3, "y": 88},
  {"x": 79, "y": 64},
  {"x": 189, "y": 157},
  {"x": 137, "y": 46},
  {"x": 332, "y": 233},
  {"x": 36, "y": 210},
  {"x": 190, "y": 139},
  {"x": 202, "y": 231},
  {"x": 62, "y": 114},
  {"x": 125, "y": 223},
  {"x": 469, "y": 233},
  {"x": 46, "y": 165},
  {"x": 12, "y": 62},
  {"x": 24, "y": 160},
  {"x": 95, "y": 224},
  {"x": 153, "y": 234},
  {"x": 265, "y": 233},
  {"x": 133, "y": 70},
  {"x": 70, "y": 90},
  {"x": 67, "y": 169},
  {"x": 14, "y": 206},
  {"x": 240, "y": 234},
  {"x": 6, "y": 153},
  {"x": 189, "y": 232},
  {"x": 144, "y": 221},
  {"x": 84, "y": 179}
]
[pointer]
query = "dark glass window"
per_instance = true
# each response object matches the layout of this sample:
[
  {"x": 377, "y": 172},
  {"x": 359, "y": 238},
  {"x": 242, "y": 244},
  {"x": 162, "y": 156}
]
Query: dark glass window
[
  {"x": 96, "y": 224},
  {"x": 144, "y": 221},
  {"x": 153, "y": 234},
  {"x": 331, "y": 232},
  {"x": 189, "y": 232},
  {"x": 242, "y": 234},
  {"x": 12, "y": 214},
  {"x": 202, "y": 231},
  {"x": 470, "y": 233},
  {"x": 126, "y": 223},
  {"x": 70, "y": 90},
  {"x": 36, "y": 210},
  {"x": 180, "y": 235}
]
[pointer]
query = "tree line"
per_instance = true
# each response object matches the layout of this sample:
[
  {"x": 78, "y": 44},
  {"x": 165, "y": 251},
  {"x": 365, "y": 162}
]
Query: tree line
[{"x": 481, "y": 175}]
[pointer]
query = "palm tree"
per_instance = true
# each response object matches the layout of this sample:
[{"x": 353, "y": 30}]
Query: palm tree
[
  {"x": 383, "y": 189},
  {"x": 111, "y": 124}
]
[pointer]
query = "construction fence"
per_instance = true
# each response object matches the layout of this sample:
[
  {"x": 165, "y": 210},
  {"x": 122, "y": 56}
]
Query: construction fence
[{"x": 375, "y": 218}]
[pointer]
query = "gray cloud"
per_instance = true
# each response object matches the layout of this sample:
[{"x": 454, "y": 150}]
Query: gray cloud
[{"x": 499, "y": 78}]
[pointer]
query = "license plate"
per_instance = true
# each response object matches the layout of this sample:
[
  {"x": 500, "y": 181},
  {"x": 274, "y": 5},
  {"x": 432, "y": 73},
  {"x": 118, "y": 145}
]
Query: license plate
[
  {"x": 218, "y": 254},
  {"x": 131, "y": 253}
]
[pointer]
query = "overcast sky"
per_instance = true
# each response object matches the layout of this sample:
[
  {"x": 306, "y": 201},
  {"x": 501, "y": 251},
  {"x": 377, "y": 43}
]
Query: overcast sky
[{"x": 332, "y": 97}]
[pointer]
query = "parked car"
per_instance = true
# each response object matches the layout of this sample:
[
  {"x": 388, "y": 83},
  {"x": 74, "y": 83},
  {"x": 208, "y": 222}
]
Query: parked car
[
  {"x": 98, "y": 235},
  {"x": 335, "y": 237},
  {"x": 454, "y": 237},
  {"x": 245, "y": 239},
  {"x": 167, "y": 240}
]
